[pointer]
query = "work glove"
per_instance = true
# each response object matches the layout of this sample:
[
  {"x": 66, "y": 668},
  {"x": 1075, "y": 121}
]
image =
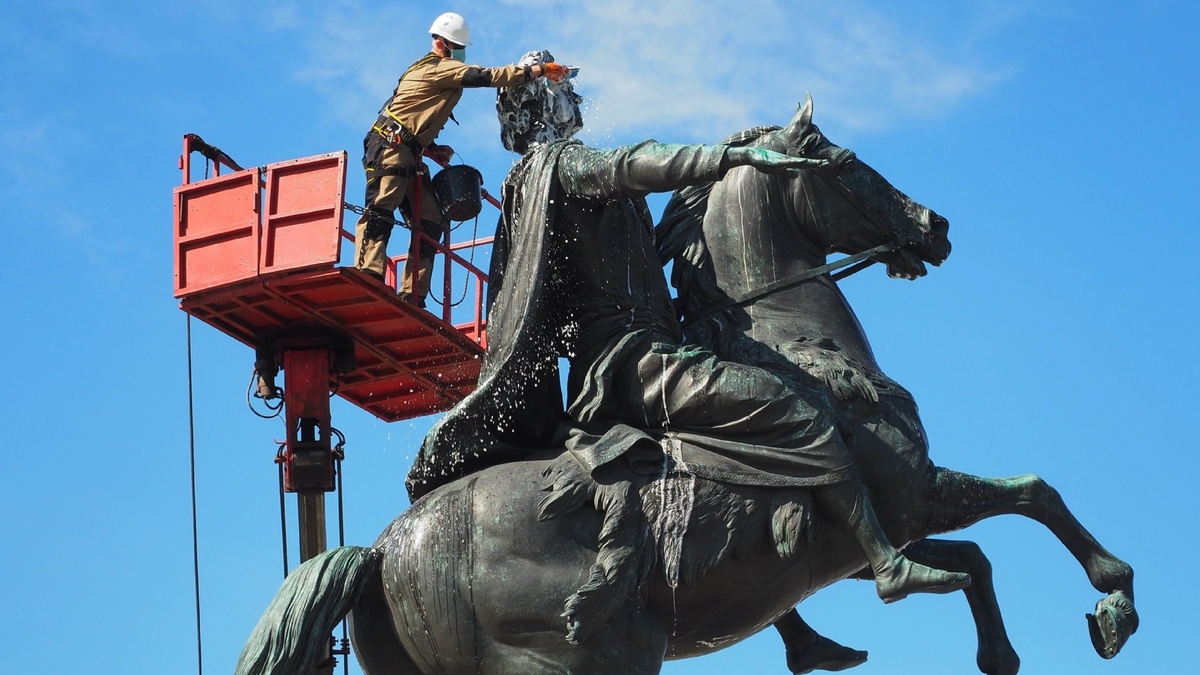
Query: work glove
[
  {"x": 556, "y": 72},
  {"x": 440, "y": 153}
]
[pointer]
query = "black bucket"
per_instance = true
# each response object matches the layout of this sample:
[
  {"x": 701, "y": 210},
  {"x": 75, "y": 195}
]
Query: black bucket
[{"x": 459, "y": 189}]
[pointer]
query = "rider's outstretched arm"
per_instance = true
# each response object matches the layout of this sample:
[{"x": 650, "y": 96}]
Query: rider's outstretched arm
[
  {"x": 649, "y": 166},
  {"x": 637, "y": 170}
]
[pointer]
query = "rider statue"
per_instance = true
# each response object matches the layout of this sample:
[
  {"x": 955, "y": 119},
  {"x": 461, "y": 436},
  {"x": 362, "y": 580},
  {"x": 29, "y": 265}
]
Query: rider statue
[{"x": 575, "y": 274}]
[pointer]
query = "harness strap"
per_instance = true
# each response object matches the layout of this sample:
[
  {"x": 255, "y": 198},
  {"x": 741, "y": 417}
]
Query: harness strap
[
  {"x": 393, "y": 132},
  {"x": 400, "y": 171},
  {"x": 795, "y": 279}
]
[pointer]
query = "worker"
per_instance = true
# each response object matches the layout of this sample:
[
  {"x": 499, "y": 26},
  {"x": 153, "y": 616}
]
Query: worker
[{"x": 406, "y": 127}]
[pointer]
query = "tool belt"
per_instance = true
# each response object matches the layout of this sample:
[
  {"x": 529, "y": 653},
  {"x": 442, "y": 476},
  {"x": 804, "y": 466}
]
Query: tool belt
[
  {"x": 400, "y": 171},
  {"x": 374, "y": 147},
  {"x": 395, "y": 133}
]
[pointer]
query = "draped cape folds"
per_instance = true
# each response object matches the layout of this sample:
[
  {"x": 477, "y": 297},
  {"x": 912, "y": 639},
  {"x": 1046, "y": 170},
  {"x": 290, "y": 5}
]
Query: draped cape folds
[
  {"x": 517, "y": 407},
  {"x": 583, "y": 276}
]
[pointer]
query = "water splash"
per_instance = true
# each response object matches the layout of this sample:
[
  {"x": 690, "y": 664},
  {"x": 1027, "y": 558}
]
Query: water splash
[{"x": 674, "y": 490}]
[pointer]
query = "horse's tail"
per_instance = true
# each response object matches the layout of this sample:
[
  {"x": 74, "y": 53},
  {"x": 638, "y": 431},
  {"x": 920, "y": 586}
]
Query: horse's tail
[{"x": 293, "y": 634}]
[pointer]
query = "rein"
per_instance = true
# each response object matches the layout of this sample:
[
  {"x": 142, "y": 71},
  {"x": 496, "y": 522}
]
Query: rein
[{"x": 788, "y": 282}]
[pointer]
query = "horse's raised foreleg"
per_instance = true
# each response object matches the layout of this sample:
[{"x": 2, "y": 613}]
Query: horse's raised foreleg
[
  {"x": 960, "y": 500},
  {"x": 995, "y": 654}
]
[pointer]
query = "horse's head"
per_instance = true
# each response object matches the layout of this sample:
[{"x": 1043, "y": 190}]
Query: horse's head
[{"x": 849, "y": 207}]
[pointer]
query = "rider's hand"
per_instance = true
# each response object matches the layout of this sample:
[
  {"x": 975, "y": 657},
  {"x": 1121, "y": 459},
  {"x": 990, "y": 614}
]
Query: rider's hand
[
  {"x": 769, "y": 161},
  {"x": 555, "y": 72}
]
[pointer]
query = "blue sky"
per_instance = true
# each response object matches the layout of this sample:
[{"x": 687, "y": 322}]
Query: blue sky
[{"x": 1059, "y": 339}]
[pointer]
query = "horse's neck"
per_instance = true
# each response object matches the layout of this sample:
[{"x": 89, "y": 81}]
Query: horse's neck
[
  {"x": 752, "y": 248},
  {"x": 815, "y": 312}
]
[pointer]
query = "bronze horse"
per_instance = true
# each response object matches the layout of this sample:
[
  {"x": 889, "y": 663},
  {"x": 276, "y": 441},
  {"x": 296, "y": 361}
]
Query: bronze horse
[{"x": 472, "y": 578}]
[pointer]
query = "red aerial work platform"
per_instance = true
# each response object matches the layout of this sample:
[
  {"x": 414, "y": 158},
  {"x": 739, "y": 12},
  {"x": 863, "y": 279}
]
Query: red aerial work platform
[{"x": 256, "y": 255}]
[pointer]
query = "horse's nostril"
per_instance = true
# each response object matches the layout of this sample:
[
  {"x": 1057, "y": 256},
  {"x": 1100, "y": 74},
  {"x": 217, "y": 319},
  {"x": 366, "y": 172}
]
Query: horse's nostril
[{"x": 937, "y": 224}]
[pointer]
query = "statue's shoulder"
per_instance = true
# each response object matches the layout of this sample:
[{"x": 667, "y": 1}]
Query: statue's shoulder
[
  {"x": 554, "y": 150},
  {"x": 540, "y": 155}
]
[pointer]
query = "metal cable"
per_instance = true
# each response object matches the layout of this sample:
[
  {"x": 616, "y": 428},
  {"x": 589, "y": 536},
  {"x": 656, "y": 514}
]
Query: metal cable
[
  {"x": 195, "y": 528},
  {"x": 467, "y": 273},
  {"x": 251, "y": 395},
  {"x": 279, "y": 459},
  {"x": 342, "y": 542}
]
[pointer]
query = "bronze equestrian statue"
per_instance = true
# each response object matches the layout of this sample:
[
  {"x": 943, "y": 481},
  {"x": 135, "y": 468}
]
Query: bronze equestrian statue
[{"x": 692, "y": 493}]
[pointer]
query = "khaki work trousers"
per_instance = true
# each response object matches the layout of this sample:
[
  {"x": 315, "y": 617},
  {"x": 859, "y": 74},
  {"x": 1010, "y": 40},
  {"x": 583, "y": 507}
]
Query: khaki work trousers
[{"x": 385, "y": 194}]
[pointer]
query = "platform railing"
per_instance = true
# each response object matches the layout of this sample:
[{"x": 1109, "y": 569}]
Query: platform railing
[
  {"x": 480, "y": 278},
  {"x": 245, "y": 226},
  {"x": 475, "y": 326},
  {"x": 448, "y": 251},
  {"x": 212, "y": 155}
]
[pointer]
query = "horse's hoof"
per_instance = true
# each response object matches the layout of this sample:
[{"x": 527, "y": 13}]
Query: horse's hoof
[
  {"x": 825, "y": 654},
  {"x": 1112, "y": 624}
]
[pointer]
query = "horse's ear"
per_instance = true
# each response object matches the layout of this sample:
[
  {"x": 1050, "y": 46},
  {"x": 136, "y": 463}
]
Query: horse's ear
[{"x": 802, "y": 119}]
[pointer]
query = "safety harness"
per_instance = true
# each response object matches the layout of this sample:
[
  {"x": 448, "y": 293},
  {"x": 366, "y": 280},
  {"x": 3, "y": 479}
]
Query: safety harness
[{"x": 394, "y": 133}]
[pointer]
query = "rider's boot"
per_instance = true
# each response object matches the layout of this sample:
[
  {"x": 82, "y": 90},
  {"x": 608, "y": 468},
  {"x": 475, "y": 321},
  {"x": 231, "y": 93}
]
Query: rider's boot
[
  {"x": 808, "y": 650},
  {"x": 895, "y": 576}
]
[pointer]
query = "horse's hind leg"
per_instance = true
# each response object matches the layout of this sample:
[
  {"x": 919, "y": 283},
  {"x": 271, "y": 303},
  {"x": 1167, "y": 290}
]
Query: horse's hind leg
[
  {"x": 960, "y": 500},
  {"x": 807, "y": 650},
  {"x": 995, "y": 655}
]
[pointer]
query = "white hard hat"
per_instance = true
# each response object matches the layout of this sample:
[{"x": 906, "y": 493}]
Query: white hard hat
[{"x": 452, "y": 27}]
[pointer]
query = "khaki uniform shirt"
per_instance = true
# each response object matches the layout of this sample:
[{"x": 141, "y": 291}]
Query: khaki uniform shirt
[{"x": 431, "y": 87}]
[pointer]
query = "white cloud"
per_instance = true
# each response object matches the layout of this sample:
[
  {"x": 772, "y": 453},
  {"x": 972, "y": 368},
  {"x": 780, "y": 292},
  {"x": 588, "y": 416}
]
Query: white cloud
[
  {"x": 679, "y": 69},
  {"x": 734, "y": 65}
]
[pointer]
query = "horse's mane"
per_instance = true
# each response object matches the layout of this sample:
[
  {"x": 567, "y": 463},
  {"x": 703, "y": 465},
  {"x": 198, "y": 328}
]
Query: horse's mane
[
  {"x": 681, "y": 221},
  {"x": 720, "y": 521},
  {"x": 679, "y": 237}
]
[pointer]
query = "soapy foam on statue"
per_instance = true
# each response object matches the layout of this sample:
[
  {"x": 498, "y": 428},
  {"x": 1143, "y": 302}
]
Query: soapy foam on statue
[
  {"x": 674, "y": 490},
  {"x": 538, "y": 111}
]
